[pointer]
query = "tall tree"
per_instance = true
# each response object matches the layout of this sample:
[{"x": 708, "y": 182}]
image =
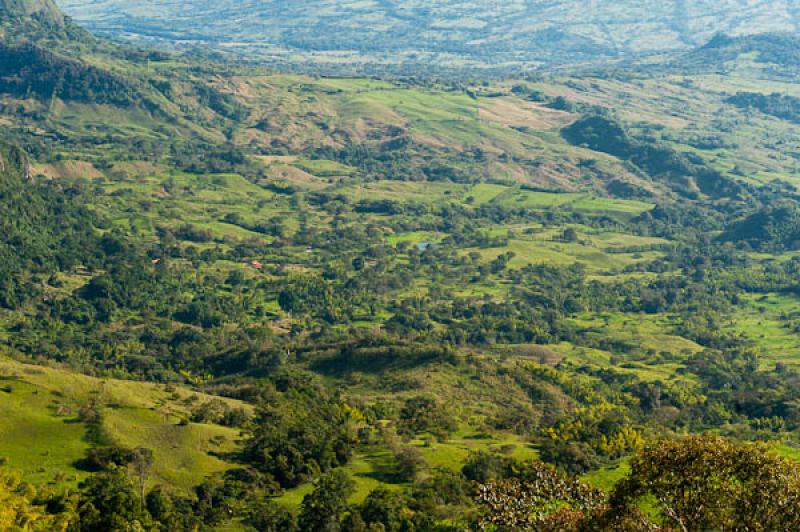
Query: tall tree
[
  {"x": 709, "y": 483},
  {"x": 142, "y": 464}
]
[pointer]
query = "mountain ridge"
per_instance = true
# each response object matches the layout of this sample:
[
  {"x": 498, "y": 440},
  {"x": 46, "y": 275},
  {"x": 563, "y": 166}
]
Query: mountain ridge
[
  {"x": 443, "y": 32},
  {"x": 45, "y": 10}
]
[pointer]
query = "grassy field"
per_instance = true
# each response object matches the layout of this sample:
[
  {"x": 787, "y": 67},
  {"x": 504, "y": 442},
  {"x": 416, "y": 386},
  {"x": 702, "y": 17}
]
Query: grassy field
[
  {"x": 607, "y": 477},
  {"x": 601, "y": 252},
  {"x": 42, "y": 435},
  {"x": 324, "y": 168},
  {"x": 203, "y": 201},
  {"x": 769, "y": 320},
  {"x": 375, "y": 467}
]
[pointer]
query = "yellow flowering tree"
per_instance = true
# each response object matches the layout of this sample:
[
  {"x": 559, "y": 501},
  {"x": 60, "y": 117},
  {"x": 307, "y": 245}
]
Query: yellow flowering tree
[{"x": 20, "y": 509}]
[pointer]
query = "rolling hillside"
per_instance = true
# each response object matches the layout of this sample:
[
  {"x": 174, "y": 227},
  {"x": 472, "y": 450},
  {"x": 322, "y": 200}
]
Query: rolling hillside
[{"x": 47, "y": 429}]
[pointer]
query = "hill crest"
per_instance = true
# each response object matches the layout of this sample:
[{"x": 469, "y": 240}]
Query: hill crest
[{"x": 43, "y": 10}]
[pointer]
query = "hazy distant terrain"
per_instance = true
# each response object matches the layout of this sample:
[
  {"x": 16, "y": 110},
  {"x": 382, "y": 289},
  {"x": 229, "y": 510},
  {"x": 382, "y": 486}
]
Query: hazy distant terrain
[{"x": 512, "y": 31}]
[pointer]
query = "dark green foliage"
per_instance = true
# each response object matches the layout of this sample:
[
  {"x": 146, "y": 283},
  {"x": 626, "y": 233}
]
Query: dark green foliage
[
  {"x": 28, "y": 70},
  {"x": 223, "y": 103},
  {"x": 775, "y": 49},
  {"x": 777, "y": 105},
  {"x": 110, "y": 503},
  {"x": 601, "y": 133},
  {"x": 393, "y": 512},
  {"x": 410, "y": 462},
  {"x": 443, "y": 487},
  {"x": 43, "y": 229},
  {"x": 266, "y": 516},
  {"x": 484, "y": 466},
  {"x": 172, "y": 512},
  {"x": 323, "y": 508},
  {"x": 192, "y": 234},
  {"x": 573, "y": 457},
  {"x": 425, "y": 414},
  {"x": 312, "y": 295},
  {"x": 378, "y": 353},
  {"x": 773, "y": 228},
  {"x": 310, "y": 435},
  {"x": 219, "y": 412},
  {"x": 107, "y": 458},
  {"x": 217, "y": 158}
]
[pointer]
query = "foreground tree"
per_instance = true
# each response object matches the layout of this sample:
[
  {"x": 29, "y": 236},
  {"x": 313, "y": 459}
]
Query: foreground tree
[
  {"x": 110, "y": 502},
  {"x": 709, "y": 483},
  {"x": 535, "y": 496},
  {"x": 697, "y": 483},
  {"x": 22, "y": 508},
  {"x": 142, "y": 463}
]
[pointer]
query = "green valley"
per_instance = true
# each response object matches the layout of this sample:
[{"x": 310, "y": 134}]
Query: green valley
[{"x": 241, "y": 297}]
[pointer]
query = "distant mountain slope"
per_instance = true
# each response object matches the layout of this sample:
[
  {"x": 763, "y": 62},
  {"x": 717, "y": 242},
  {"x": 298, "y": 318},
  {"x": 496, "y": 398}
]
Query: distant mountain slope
[
  {"x": 46, "y": 9},
  {"x": 30, "y": 70},
  {"x": 528, "y": 31},
  {"x": 39, "y": 21},
  {"x": 781, "y": 51}
]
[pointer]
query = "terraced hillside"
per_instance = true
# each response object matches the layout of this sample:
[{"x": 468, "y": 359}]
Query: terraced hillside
[{"x": 441, "y": 32}]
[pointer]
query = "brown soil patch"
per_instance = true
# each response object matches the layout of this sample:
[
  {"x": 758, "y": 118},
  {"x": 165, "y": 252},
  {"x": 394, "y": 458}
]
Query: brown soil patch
[
  {"x": 137, "y": 169},
  {"x": 67, "y": 170},
  {"x": 285, "y": 159},
  {"x": 296, "y": 176},
  {"x": 512, "y": 112}
]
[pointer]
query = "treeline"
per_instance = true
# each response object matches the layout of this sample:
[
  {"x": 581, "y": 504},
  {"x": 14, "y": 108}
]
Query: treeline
[
  {"x": 780, "y": 49},
  {"x": 28, "y": 70},
  {"x": 772, "y": 228}
]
